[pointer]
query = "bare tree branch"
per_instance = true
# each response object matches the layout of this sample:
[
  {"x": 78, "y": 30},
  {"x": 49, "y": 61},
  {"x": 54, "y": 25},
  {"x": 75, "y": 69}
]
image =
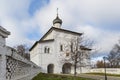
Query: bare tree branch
[{"x": 76, "y": 51}]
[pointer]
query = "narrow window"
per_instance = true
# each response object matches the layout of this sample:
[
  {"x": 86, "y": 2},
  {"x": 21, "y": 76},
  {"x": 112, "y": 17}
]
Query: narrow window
[
  {"x": 45, "y": 50},
  {"x": 48, "y": 50},
  {"x": 61, "y": 47}
]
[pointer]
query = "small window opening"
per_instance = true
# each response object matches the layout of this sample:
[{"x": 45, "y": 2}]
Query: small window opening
[{"x": 61, "y": 47}]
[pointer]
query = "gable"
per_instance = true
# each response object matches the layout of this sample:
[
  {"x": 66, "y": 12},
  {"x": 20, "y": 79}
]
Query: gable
[
  {"x": 33, "y": 45},
  {"x": 50, "y": 35},
  {"x": 47, "y": 35}
]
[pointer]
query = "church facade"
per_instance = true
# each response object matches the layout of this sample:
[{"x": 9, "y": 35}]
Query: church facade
[{"x": 49, "y": 51}]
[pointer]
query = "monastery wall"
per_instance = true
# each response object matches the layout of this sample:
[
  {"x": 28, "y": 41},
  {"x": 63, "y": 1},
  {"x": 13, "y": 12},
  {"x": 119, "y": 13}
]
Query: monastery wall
[{"x": 12, "y": 65}]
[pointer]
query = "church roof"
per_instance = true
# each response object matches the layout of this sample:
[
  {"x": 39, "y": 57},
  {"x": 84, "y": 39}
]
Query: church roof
[
  {"x": 40, "y": 41},
  {"x": 59, "y": 29},
  {"x": 33, "y": 45},
  {"x": 49, "y": 31}
]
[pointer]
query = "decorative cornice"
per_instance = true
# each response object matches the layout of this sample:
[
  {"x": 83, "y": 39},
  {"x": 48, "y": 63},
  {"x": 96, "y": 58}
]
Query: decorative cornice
[{"x": 4, "y": 32}]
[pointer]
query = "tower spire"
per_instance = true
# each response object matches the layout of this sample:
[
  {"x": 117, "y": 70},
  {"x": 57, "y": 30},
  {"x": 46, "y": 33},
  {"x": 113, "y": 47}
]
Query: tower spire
[
  {"x": 57, "y": 11},
  {"x": 57, "y": 22}
]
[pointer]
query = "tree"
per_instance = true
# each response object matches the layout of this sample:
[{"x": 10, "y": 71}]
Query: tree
[
  {"x": 23, "y": 51},
  {"x": 100, "y": 64},
  {"x": 77, "y": 51},
  {"x": 114, "y": 56}
]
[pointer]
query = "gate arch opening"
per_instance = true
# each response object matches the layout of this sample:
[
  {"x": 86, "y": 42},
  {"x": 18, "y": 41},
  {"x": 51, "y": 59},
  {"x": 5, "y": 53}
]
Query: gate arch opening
[
  {"x": 50, "y": 68},
  {"x": 66, "y": 69}
]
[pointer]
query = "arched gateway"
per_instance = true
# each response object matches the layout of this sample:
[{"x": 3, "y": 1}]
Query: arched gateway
[
  {"x": 50, "y": 68},
  {"x": 66, "y": 69}
]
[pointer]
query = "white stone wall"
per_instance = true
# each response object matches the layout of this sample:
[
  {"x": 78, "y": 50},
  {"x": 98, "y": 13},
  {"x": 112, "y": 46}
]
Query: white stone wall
[
  {"x": 57, "y": 25},
  {"x": 60, "y": 38},
  {"x": 2, "y": 58},
  {"x": 108, "y": 70},
  {"x": 50, "y": 36},
  {"x": 0, "y": 65},
  {"x": 34, "y": 54},
  {"x": 46, "y": 58},
  {"x": 2, "y": 41},
  {"x": 12, "y": 65}
]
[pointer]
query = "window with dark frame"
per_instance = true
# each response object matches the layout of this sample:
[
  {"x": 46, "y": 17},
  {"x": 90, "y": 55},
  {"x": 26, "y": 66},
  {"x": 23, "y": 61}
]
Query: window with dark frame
[
  {"x": 61, "y": 47},
  {"x": 46, "y": 50}
]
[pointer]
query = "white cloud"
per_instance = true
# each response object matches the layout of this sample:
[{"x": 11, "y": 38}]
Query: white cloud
[
  {"x": 104, "y": 39},
  {"x": 12, "y": 15},
  {"x": 80, "y": 15}
]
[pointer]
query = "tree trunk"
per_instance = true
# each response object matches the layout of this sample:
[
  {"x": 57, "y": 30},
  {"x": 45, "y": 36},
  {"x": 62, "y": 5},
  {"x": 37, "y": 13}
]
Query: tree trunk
[
  {"x": 75, "y": 70},
  {"x": 75, "y": 66}
]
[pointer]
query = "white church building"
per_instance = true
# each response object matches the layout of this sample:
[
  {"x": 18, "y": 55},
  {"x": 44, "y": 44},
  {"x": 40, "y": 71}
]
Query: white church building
[{"x": 48, "y": 51}]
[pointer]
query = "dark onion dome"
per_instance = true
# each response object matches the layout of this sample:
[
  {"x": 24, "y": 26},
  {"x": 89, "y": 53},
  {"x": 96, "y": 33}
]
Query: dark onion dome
[{"x": 57, "y": 20}]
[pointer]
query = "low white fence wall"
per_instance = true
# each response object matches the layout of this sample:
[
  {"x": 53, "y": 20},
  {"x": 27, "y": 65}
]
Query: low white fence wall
[
  {"x": 108, "y": 70},
  {"x": 15, "y": 67}
]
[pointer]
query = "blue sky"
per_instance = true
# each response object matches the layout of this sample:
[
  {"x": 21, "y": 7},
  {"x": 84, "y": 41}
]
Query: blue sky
[
  {"x": 28, "y": 20},
  {"x": 37, "y": 4}
]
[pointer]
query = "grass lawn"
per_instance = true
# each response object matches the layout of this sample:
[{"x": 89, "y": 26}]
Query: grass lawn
[
  {"x": 102, "y": 74},
  {"x": 43, "y": 76}
]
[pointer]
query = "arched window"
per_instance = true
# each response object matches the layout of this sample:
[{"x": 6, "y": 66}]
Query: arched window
[{"x": 46, "y": 50}]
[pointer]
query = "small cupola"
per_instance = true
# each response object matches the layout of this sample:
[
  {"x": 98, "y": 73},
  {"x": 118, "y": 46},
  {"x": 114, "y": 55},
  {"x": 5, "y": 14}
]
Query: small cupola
[{"x": 57, "y": 22}]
